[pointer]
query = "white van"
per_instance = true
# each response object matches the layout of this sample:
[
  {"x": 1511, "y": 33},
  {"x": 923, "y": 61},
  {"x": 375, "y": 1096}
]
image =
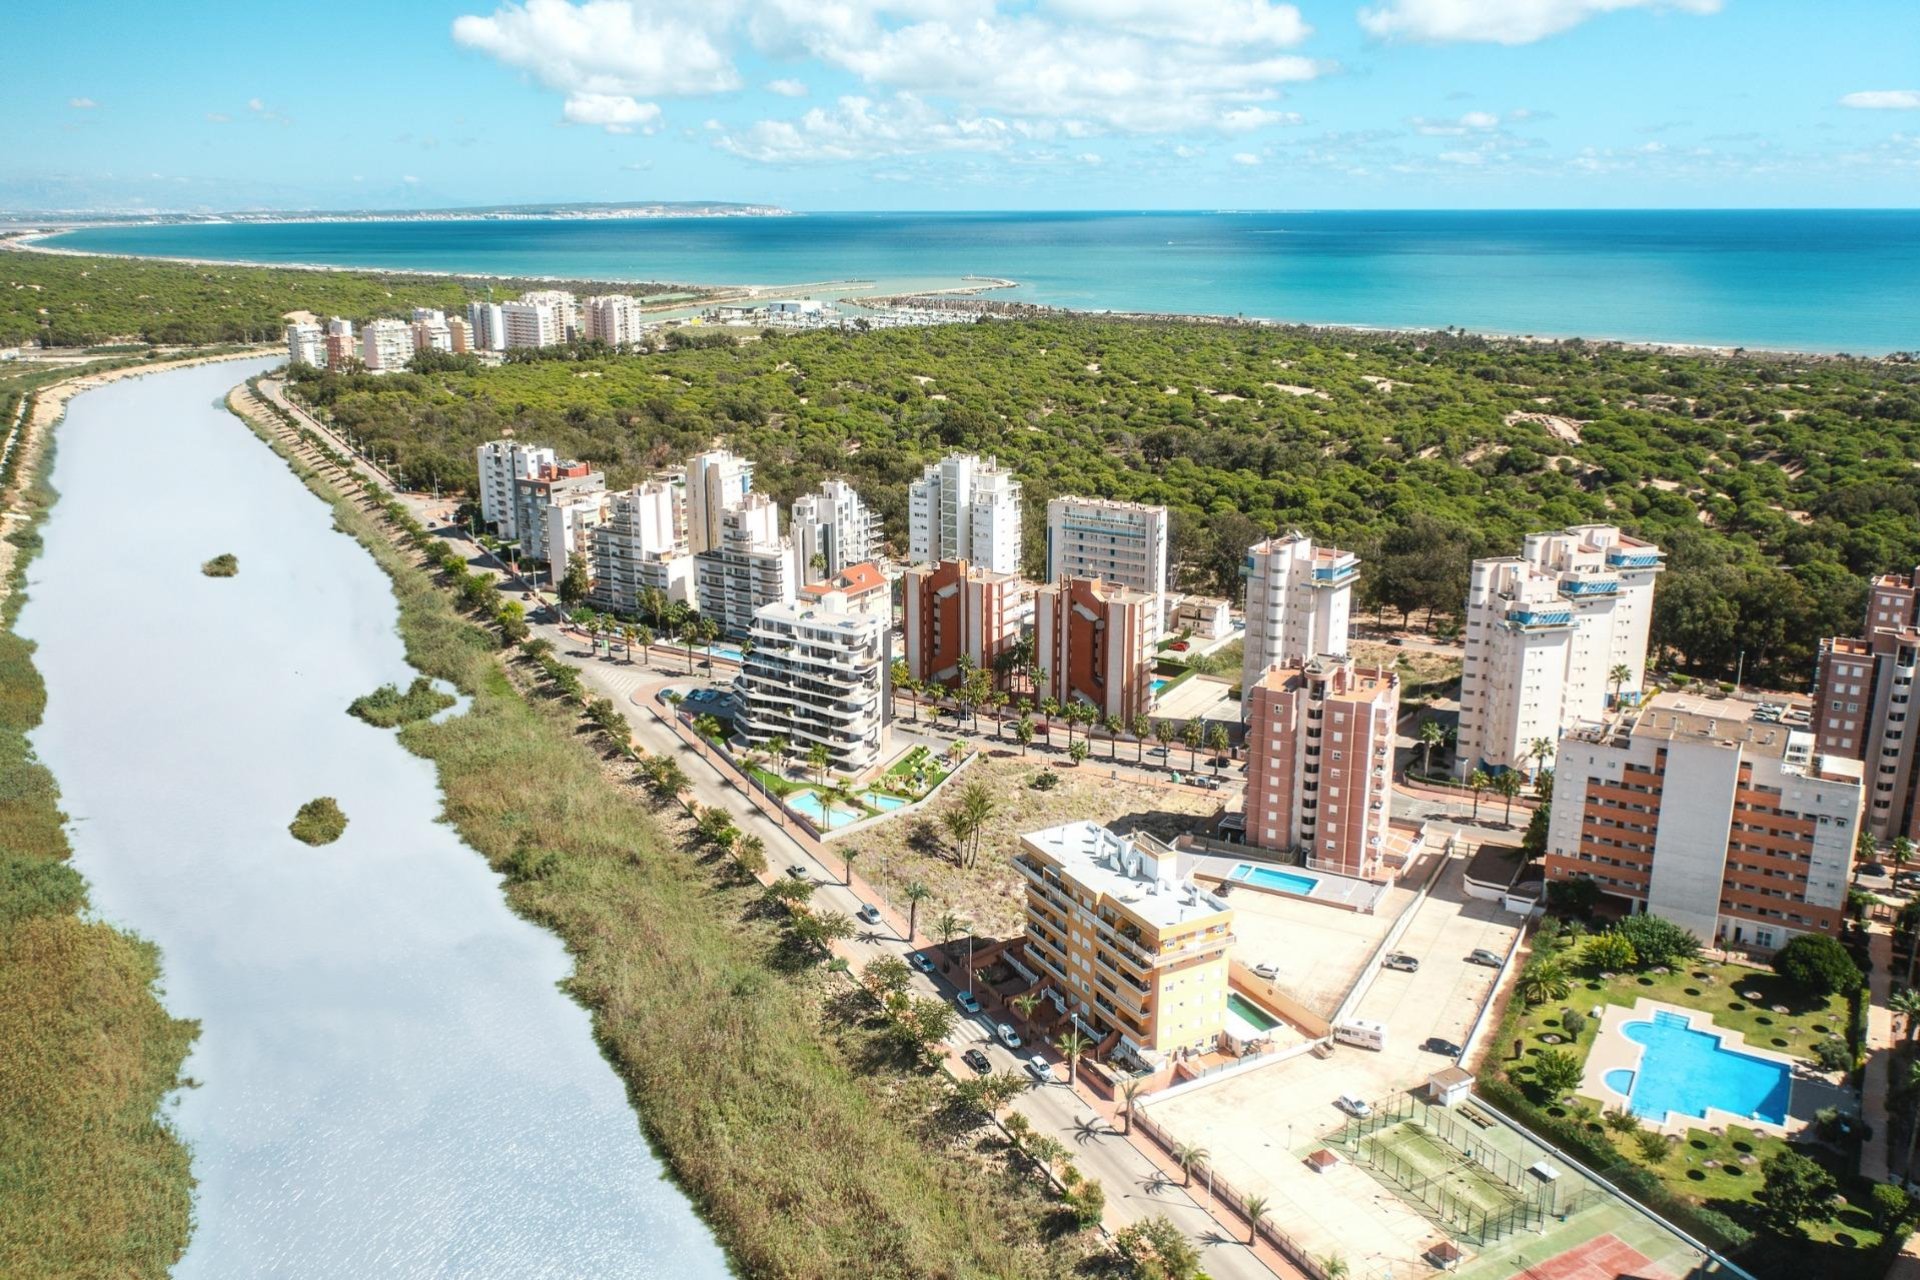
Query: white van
[{"x": 1362, "y": 1032}]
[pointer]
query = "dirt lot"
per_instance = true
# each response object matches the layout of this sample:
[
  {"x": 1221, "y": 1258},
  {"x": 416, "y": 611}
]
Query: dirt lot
[{"x": 916, "y": 847}]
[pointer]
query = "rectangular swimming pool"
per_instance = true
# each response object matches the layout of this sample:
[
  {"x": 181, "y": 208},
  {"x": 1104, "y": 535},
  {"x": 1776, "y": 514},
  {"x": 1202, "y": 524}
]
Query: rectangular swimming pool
[
  {"x": 1254, "y": 1015},
  {"x": 1274, "y": 880},
  {"x": 1684, "y": 1071}
]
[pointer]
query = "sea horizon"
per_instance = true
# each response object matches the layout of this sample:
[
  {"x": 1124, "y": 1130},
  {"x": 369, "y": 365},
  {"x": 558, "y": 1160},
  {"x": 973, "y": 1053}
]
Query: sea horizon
[{"x": 1819, "y": 281}]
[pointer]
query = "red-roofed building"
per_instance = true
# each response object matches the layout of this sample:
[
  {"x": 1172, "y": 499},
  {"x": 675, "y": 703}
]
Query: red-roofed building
[{"x": 859, "y": 589}]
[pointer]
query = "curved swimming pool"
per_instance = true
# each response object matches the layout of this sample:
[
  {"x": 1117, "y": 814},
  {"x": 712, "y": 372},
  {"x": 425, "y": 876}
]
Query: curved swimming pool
[{"x": 1685, "y": 1071}]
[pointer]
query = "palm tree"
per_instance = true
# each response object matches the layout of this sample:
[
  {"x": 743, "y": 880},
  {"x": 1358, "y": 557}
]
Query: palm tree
[
  {"x": 1431, "y": 736},
  {"x": 1620, "y": 674},
  {"x": 1129, "y": 1090},
  {"x": 750, "y": 852},
  {"x": 1508, "y": 784},
  {"x": 1219, "y": 743},
  {"x": 915, "y": 893},
  {"x": 1114, "y": 725},
  {"x": 1191, "y": 735},
  {"x": 1900, "y": 852},
  {"x": 1163, "y": 734},
  {"x": 1141, "y": 727},
  {"x": 645, "y": 636},
  {"x": 709, "y": 631},
  {"x": 1071, "y": 1045},
  {"x": 1333, "y": 1267},
  {"x": 847, "y": 854},
  {"x": 1478, "y": 781},
  {"x": 959, "y": 826},
  {"x": 1187, "y": 1155},
  {"x": 1023, "y": 733},
  {"x": 817, "y": 760},
  {"x": 689, "y": 632},
  {"x": 1024, "y": 1005},
  {"x": 1256, "y": 1210},
  {"x": 1906, "y": 1003},
  {"x": 977, "y": 807},
  {"x": 1537, "y": 751},
  {"x": 1543, "y": 980},
  {"x": 947, "y": 927}
]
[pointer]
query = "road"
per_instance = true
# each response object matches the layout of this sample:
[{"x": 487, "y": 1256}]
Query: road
[{"x": 1135, "y": 1186}]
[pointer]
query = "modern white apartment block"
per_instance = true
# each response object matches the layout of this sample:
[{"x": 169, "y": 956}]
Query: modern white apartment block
[
  {"x": 489, "y": 326},
  {"x": 307, "y": 344},
  {"x": 571, "y": 522},
  {"x": 753, "y": 567},
  {"x": 834, "y": 530},
  {"x": 566, "y": 308},
  {"x": 386, "y": 345},
  {"x": 642, "y": 545},
  {"x": 717, "y": 481},
  {"x": 501, "y": 462},
  {"x": 1863, "y": 698},
  {"x": 1733, "y": 827},
  {"x": 1123, "y": 542},
  {"x": 615, "y": 319},
  {"x": 1299, "y": 604},
  {"x": 533, "y": 324},
  {"x": 547, "y": 514},
  {"x": 814, "y": 676},
  {"x": 1546, "y": 631},
  {"x": 964, "y": 508},
  {"x": 430, "y": 331}
]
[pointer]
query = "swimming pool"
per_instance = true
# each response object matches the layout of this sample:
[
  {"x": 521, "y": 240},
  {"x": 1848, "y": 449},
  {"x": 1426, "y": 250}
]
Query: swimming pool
[
  {"x": 1274, "y": 880},
  {"x": 1158, "y": 685},
  {"x": 1252, "y": 1013},
  {"x": 883, "y": 801},
  {"x": 1684, "y": 1071},
  {"x": 808, "y": 805}
]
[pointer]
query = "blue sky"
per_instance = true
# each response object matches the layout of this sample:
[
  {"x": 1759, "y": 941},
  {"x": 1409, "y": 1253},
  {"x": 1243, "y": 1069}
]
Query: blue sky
[{"x": 965, "y": 104}]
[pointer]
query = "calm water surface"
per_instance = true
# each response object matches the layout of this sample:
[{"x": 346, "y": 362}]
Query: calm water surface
[
  {"x": 1810, "y": 280},
  {"x": 392, "y": 1085}
]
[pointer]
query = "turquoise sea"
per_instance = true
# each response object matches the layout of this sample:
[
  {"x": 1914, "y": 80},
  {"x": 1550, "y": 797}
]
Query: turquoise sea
[{"x": 1820, "y": 280}]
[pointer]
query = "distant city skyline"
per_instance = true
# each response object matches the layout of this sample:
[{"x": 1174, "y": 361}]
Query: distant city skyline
[{"x": 966, "y": 104}]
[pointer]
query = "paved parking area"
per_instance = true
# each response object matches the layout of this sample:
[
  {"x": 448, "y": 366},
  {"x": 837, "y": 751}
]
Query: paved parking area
[{"x": 1317, "y": 950}]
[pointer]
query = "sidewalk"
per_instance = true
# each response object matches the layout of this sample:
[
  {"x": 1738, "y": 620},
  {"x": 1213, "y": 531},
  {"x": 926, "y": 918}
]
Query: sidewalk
[{"x": 1880, "y": 1043}]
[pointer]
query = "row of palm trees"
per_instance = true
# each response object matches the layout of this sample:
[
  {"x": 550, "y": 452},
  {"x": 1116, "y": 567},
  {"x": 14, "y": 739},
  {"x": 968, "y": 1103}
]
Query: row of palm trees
[{"x": 1509, "y": 784}]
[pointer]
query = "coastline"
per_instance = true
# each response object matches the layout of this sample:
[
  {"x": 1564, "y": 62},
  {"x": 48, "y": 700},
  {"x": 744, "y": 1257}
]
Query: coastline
[{"x": 964, "y": 292}]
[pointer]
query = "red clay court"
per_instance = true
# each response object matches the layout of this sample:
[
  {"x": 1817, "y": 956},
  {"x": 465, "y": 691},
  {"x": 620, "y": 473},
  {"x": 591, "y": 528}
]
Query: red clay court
[{"x": 1601, "y": 1258}]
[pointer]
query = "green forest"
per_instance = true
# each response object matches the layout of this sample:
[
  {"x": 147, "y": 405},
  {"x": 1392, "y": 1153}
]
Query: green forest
[{"x": 1776, "y": 486}]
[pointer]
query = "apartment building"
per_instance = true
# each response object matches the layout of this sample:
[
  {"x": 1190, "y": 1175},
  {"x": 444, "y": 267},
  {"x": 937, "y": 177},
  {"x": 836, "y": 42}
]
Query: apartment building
[
  {"x": 566, "y": 309},
  {"x": 489, "y": 326},
  {"x": 430, "y": 330},
  {"x": 571, "y": 523},
  {"x": 953, "y": 610},
  {"x": 541, "y": 506},
  {"x": 533, "y": 324},
  {"x": 834, "y": 530},
  {"x": 858, "y": 589},
  {"x": 1135, "y": 955},
  {"x": 1863, "y": 693},
  {"x": 1202, "y": 617},
  {"x": 307, "y": 344},
  {"x": 1122, "y": 542},
  {"x": 1095, "y": 641},
  {"x": 641, "y": 545},
  {"x": 754, "y": 566},
  {"x": 1320, "y": 762},
  {"x": 617, "y": 319},
  {"x": 1299, "y": 604},
  {"x": 1757, "y": 844},
  {"x": 342, "y": 349},
  {"x": 501, "y": 463},
  {"x": 717, "y": 481},
  {"x": 459, "y": 335},
  {"x": 814, "y": 676},
  {"x": 1546, "y": 632},
  {"x": 386, "y": 345},
  {"x": 965, "y": 508}
]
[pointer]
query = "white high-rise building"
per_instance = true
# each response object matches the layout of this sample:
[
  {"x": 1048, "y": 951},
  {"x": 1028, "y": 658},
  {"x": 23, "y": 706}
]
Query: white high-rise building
[
  {"x": 752, "y": 567},
  {"x": 1123, "y": 542},
  {"x": 834, "y": 530},
  {"x": 489, "y": 326},
  {"x": 533, "y": 324},
  {"x": 817, "y": 676},
  {"x": 565, "y": 306},
  {"x": 501, "y": 462},
  {"x": 963, "y": 508},
  {"x": 1299, "y": 601},
  {"x": 306, "y": 344},
  {"x": 716, "y": 481},
  {"x": 386, "y": 345},
  {"x": 642, "y": 544},
  {"x": 614, "y": 318},
  {"x": 1546, "y": 631},
  {"x": 430, "y": 330}
]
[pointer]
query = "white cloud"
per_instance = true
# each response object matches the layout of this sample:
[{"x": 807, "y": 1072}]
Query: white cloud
[
  {"x": 219, "y": 117},
  {"x": 787, "y": 88},
  {"x": 255, "y": 104},
  {"x": 861, "y": 129},
  {"x": 614, "y": 112},
  {"x": 82, "y": 104},
  {"x": 609, "y": 47},
  {"x": 1091, "y": 158},
  {"x": 1244, "y": 119},
  {"x": 1500, "y": 21},
  {"x": 1463, "y": 157},
  {"x": 1883, "y": 100},
  {"x": 1247, "y": 158},
  {"x": 1471, "y": 122},
  {"x": 409, "y": 179},
  {"x": 1211, "y": 22}
]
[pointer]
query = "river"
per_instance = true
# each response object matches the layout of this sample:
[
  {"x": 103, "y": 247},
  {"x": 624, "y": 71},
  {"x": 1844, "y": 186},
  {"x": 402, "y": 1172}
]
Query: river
[{"x": 390, "y": 1082}]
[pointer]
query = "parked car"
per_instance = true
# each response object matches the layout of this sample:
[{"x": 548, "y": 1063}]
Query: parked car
[
  {"x": 1266, "y": 969},
  {"x": 1396, "y": 641},
  {"x": 1480, "y": 955},
  {"x": 1445, "y": 1048},
  {"x": 1356, "y": 1107},
  {"x": 966, "y": 1002},
  {"x": 1039, "y": 1068},
  {"x": 1008, "y": 1036},
  {"x": 921, "y": 961},
  {"x": 1402, "y": 961},
  {"x": 1873, "y": 869},
  {"x": 797, "y": 871},
  {"x": 869, "y": 913},
  {"x": 977, "y": 1060}
]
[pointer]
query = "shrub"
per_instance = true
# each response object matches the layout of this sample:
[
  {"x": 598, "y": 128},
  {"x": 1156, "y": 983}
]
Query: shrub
[
  {"x": 1573, "y": 1022},
  {"x": 1796, "y": 1188},
  {"x": 1891, "y": 1206},
  {"x": 1657, "y": 941},
  {"x": 1817, "y": 964},
  {"x": 221, "y": 566},
  {"x": 1833, "y": 1055},
  {"x": 1652, "y": 1145},
  {"x": 319, "y": 821},
  {"x": 1609, "y": 953},
  {"x": 1045, "y": 780},
  {"x": 1556, "y": 1071},
  {"x": 386, "y": 706}
]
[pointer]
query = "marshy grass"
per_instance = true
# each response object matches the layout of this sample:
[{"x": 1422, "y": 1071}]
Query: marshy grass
[
  {"x": 807, "y": 1156},
  {"x": 387, "y": 707},
  {"x": 319, "y": 821},
  {"x": 224, "y": 565}
]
